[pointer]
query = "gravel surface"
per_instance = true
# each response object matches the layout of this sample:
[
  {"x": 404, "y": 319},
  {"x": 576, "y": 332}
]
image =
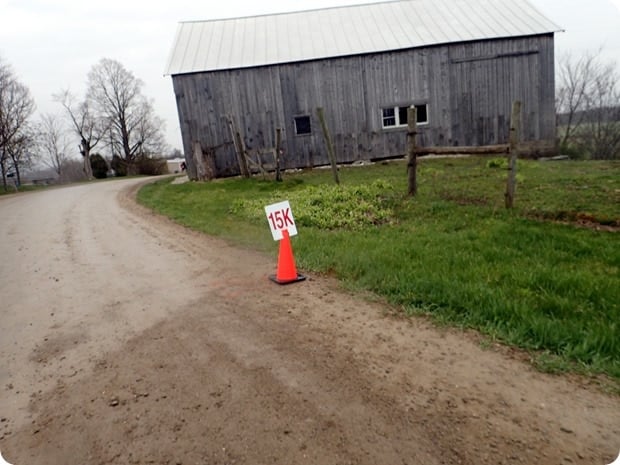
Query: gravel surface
[{"x": 126, "y": 339}]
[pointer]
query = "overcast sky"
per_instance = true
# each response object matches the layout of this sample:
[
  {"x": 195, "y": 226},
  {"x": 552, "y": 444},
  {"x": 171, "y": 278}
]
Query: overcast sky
[{"x": 52, "y": 45}]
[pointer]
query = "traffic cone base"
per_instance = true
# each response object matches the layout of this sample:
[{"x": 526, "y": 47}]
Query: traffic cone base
[
  {"x": 287, "y": 272},
  {"x": 275, "y": 279}
]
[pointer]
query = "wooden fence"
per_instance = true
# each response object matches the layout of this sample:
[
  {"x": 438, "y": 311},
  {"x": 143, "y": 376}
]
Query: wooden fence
[{"x": 511, "y": 149}]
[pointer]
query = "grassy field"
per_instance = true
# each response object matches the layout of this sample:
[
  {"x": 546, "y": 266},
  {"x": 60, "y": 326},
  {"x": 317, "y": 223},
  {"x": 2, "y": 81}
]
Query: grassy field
[{"x": 543, "y": 276}]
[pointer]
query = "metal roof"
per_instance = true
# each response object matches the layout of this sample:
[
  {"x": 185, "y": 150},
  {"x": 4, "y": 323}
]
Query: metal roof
[{"x": 349, "y": 30}]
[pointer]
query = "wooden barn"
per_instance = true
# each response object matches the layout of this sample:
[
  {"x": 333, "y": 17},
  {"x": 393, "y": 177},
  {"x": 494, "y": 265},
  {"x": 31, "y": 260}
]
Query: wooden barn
[{"x": 460, "y": 62}]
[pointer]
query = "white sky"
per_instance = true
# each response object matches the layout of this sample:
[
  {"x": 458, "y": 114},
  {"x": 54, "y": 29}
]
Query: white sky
[{"x": 52, "y": 45}]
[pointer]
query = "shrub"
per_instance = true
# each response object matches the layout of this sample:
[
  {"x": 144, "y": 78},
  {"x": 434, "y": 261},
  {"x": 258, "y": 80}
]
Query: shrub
[
  {"x": 573, "y": 152},
  {"x": 497, "y": 163},
  {"x": 99, "y": 166},
  {"x": 119, "y": 166},
  {"x": 151, "y": 166}
]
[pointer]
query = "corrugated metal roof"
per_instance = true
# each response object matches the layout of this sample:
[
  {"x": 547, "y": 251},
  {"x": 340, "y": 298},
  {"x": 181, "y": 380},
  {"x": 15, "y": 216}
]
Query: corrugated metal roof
[{"x": 350, "y": 30}]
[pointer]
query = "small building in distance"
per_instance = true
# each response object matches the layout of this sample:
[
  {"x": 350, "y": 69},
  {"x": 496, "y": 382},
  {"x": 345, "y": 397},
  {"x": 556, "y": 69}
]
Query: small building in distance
[
  {"x": 175, "y": 165},
  {"x": 460, "y": 62}
]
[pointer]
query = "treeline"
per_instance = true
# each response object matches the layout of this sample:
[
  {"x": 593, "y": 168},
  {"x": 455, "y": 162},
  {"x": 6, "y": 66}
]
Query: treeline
[
  {"x": 607, "y": 115},
  {"x": 588, "y": 107},
  {"x": 113, "y": 117}
]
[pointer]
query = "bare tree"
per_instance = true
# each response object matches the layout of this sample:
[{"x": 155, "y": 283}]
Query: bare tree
[
  {"x": 174, "y": 153},
  {"x": 117, "y": 96},
  {"x": 574, "y": 85},
  {"x": 20, "y": 152},
  {"x": 600, "y": 133},
  {"x": 87, "y": 126},
  {"x": 588, "y": 104},
  {"x": 73, "y": 171},
  {"x": 16, "y": 107},
  {"x": 150, "y": 132},
  {"x": 52, "y": 143}
]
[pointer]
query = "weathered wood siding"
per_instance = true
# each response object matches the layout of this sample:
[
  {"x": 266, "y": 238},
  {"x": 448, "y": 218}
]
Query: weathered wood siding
[{"x": 468, "y": 88}]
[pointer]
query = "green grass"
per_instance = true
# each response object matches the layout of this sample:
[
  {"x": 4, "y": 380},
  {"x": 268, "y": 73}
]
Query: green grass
[
  {"x": 23, "y": 188},
  {"x": 453, "y": 252}
]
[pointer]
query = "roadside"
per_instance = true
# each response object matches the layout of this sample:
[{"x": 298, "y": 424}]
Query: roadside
[{"x": 130, "y": 339}]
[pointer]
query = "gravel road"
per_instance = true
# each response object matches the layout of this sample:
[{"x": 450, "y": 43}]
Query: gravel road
[{"x": 126, "y": 339}]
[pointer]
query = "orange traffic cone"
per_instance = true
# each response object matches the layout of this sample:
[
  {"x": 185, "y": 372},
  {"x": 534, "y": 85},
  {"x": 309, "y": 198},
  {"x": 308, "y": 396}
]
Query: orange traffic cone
[{"x": 287, "y": 272}]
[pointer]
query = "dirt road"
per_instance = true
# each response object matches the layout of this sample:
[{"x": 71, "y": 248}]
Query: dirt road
[{"x": 126, "y": 339}]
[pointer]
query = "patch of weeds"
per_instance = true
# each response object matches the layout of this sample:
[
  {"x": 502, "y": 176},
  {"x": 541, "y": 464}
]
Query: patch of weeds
[
  {"x": 328, "y": 207},
  {"x": 498, "y": 163}
]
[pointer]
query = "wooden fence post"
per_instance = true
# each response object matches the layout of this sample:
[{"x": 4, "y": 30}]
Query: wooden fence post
[
  {"x": 239, "y": 148},
  {"x": 513, "y": 144},
  {"x": 412, "y": 159},
  {"x": 328, "y": 143},
  {"x": 278, "y": 148}
]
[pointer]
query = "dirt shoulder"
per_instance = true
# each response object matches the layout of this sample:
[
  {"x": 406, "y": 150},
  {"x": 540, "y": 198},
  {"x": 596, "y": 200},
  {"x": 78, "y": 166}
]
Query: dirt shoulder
[{"x": 188, "y": 354}]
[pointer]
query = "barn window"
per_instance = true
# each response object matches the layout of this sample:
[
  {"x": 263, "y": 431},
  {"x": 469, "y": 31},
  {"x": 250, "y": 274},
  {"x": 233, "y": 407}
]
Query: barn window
[
  {"x": 397, "y": 116},
  {"x": 389, "y": 117},
  {"x": 302, "y": 125}
]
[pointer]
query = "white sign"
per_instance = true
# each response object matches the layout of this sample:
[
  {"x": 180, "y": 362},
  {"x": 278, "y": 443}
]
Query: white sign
[{"x": 280, "y": 217}]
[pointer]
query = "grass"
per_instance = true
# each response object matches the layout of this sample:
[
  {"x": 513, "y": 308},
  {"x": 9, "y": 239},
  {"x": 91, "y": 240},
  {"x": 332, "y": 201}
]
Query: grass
[
  {"x": 23, "y": 188},
  {"x": 530, "y": 277}
]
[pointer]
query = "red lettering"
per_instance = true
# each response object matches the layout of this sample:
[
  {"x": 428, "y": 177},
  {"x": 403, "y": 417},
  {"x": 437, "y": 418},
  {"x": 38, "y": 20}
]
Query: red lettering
[
  {"x": 279, "y": 220},
  {"x": 287, "y": 219}
]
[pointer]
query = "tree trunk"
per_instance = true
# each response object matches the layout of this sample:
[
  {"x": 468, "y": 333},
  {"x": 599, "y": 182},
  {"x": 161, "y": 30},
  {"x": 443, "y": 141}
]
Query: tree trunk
[
  {"x": 129, "y": 155},
  {"x": 85, "y": 151},
  {"x": 3, "y": 175},
  {"x": 18, "y": 175}
]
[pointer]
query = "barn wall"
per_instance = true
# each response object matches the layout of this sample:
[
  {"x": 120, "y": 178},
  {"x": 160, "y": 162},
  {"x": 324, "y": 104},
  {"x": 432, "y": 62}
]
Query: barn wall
[
  {"x": 486, "y": 77},
  {"x": 468, "y": 87}
]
